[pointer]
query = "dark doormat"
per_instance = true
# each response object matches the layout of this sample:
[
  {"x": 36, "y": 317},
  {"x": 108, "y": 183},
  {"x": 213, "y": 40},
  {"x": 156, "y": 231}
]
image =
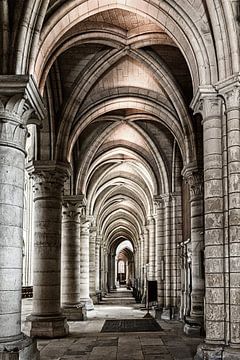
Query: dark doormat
[{"x": 136, "y": 325}]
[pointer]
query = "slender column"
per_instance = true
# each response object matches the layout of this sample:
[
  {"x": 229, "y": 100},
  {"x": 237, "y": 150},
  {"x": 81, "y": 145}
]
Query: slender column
[
  {"x": 48, "y": 178},
  {"x": 194, "y": 179},
  {"x": 230, "y": 90},
  {"x": 14, "y": 114},
  {"x": 112, "y": 268},
  {"x": 151, "y": 231},
  {"x": 167, "y": 250},
  {"x": 159, "y": 249},
  {"x": 176, "y": 239},
  {"x": 92, "y": 264},
  {"x": 142, "y": 264},
  {"x": 105, "y": 269},
  {"x": 146, "y": 262},
  {"x": 97, "y": 264},
  {"x": 210, "y": 106},
  {"x": 84, "y": 264},
  {"x": 70, "y": 258}
]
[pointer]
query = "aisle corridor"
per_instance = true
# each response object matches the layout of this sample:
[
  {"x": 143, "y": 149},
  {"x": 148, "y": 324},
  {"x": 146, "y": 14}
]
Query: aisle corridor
[{"x": 86, "y": 342}]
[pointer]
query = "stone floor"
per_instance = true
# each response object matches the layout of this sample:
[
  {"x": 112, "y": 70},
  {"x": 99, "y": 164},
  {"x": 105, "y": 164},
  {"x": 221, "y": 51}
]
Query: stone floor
[{"x": 86, "y": 342}]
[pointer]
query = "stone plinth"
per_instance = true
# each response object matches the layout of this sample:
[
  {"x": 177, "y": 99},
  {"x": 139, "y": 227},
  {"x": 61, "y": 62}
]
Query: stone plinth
[
  {"x": 166, "y": 314},
  {"x": 75, "y": 313},
  {"x": 48, "y": 327},
  {"x": 24, "y": 349}
]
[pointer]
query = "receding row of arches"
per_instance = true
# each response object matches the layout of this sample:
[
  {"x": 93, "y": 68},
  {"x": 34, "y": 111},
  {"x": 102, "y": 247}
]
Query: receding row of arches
[{"x": 119, "y": 153}]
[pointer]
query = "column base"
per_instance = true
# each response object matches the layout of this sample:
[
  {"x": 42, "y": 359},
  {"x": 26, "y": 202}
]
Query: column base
[
  {"x": 88, "y": 303},
  {"x": 75, "y": 312},
  {"x": 231, "y": 354},
  {"x": 193, "y": 326},
  {"x": 210, "y": 352},
  {"x": 158, "y": 312},
  {"x": 94, "y": 298},
  {"x": 48, "y": 326},
  {"x": 166, "y": 314},
  {"x": 23, "y": 349}
]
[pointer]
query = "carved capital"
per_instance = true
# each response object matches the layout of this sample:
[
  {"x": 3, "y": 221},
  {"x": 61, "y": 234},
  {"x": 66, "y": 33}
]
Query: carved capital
[
  {"x": 73, "y": 208},
  {"x": 20, "y": 104},
  {"x": 48, "y": 178},
  {"x": 158, "y": 202},
  {"x": 207, "y": 102},
  {"x": 194, "y": 178},
  {"x": 230, "y": 90}
]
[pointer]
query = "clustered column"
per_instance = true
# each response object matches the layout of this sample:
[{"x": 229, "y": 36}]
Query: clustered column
[
  {"x": 230, "y": 90},
  {"x": 47, "y": 319},
  {"x": 70, "y": 259},
  {"x": 211, "y": 108}
]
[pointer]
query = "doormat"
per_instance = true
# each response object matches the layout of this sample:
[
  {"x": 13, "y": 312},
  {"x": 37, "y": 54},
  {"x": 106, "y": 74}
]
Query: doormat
[{"x": 136, "y": 325}]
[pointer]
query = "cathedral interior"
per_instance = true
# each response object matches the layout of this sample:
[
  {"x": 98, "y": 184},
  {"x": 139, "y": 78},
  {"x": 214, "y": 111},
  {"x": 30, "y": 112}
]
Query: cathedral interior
[{"x": 120, "y": 167}]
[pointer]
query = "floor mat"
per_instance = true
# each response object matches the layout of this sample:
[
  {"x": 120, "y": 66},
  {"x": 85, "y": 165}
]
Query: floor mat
[{"x": 136, "y": 325}]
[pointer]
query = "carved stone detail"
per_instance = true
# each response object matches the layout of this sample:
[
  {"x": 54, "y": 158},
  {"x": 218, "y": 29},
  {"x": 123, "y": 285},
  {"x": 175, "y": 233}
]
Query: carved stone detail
[{"x": 48, "y": 178}]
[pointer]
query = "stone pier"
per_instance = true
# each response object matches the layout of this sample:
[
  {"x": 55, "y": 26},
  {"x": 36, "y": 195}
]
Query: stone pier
[
  {"x": 18, "y": 99},
  {"x": 72, "y": 307},
  {"x": 47, "y": 319}
]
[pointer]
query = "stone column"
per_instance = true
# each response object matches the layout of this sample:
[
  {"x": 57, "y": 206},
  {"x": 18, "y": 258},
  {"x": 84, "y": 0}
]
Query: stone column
[
  {"x": 230, "y": 90},
  {"x": 159, "y": 249},
  {"x": 194, "y": 179},
  {"x": 142, "y": 264},
  {"x": 151, "y": 231},
  {"x": 210, "y": 106},
  {"x": 92, "y": 263},
  {"x": 97, "y": 264},
  {"x": 112, "y": 269},
  {"x": 84, "y": 264},
  {"x": 175, "y": 258},
  {"x": 70, "y": 258},
  {"x": 15, "y": 110},
  {"x": 105, "y": 257},
  {"x": 166, "y": 314},
  {"x": 48, "y": 179},
  {"x": 146, "y": 261}
]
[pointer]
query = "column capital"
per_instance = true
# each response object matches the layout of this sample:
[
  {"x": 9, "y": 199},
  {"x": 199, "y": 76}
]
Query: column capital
[
  {"x": 20, "y": 99},
  {"x": 20, "y": 104},
  {"x": 194, "y": 178},
  {"x": 72, "y": 207},
  {"x": 166, "y": 198},
  {"x": 206, "y": 102},
  {"x": 229, "y": 89},
  {"x": 158, "y": 201},
  {"x": 48, "y": 177}
]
